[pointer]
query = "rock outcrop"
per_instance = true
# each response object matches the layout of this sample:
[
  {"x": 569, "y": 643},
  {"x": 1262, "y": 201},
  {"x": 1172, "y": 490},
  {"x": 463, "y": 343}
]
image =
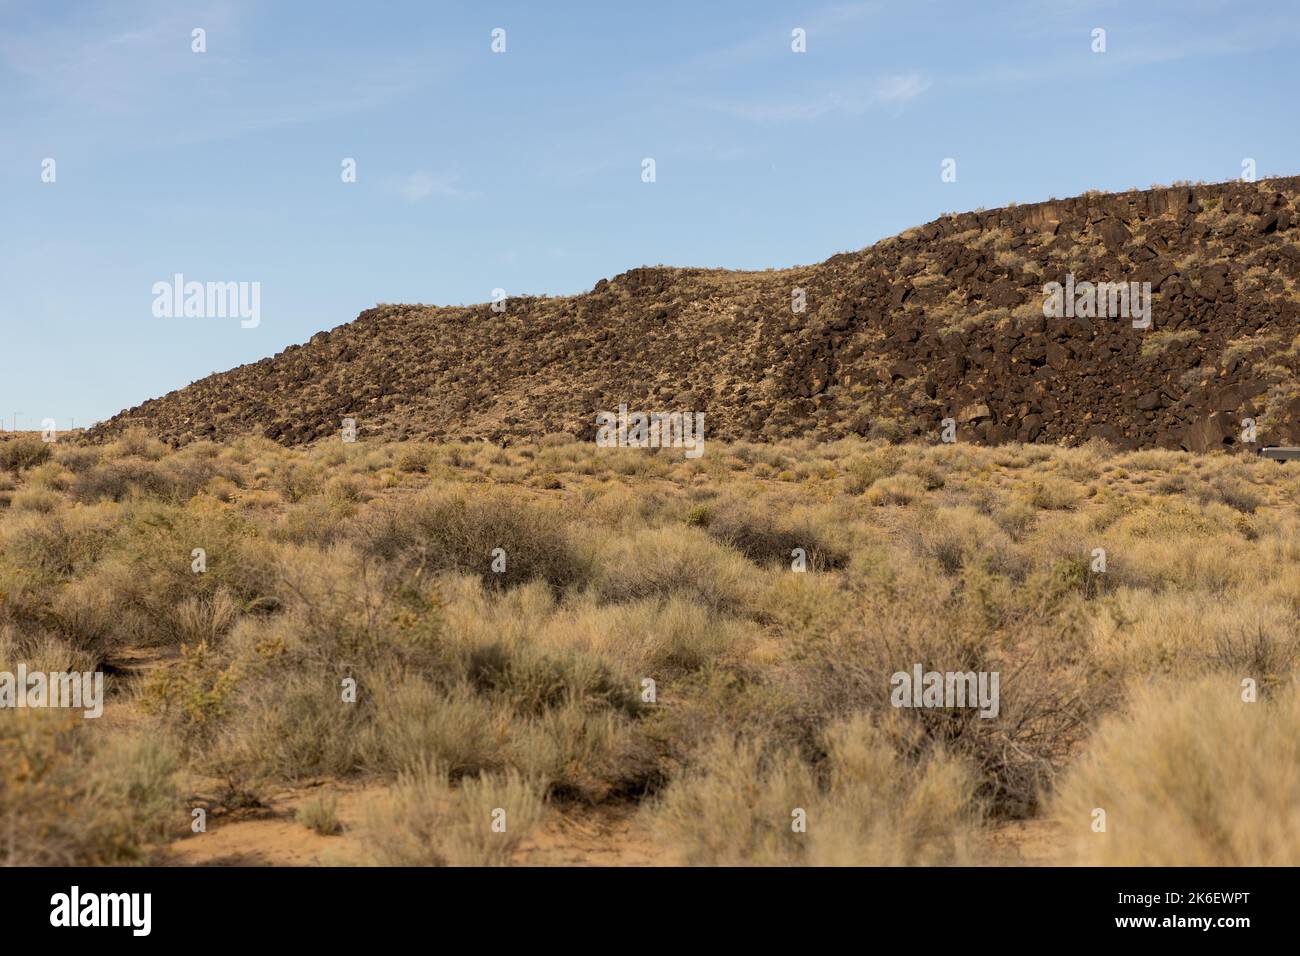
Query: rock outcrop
[{"x": 944, "y": 321}]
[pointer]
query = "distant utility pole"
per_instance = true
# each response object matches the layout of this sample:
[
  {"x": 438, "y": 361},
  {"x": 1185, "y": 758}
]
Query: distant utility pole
[{"x": 16, "y": 414}]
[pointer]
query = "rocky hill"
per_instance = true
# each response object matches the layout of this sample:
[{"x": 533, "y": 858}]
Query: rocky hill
[{"x": 943, "y": 321}]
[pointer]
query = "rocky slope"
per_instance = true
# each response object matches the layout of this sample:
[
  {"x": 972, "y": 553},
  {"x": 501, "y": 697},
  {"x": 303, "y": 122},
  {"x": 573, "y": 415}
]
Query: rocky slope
[{"x": 943, "y": 321}]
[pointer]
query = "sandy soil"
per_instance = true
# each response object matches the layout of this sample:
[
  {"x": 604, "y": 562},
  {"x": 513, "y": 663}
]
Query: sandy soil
[{"x": 270, "y": 836}]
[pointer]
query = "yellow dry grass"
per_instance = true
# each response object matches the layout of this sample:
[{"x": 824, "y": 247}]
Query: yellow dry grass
[{"x": 556, "y": 625}]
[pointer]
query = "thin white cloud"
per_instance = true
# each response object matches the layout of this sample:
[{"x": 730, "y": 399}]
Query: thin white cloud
[
  {"x": 135, "y": 64},
  {"x": 1138, "y": 46},
  {"x": 419, "y": 186},
  {"x": 823, "y": 26},
  {"x": 884, "y": 92},
  {"x": 96, "y": 62},
  {"x": 899, "y": 90}
]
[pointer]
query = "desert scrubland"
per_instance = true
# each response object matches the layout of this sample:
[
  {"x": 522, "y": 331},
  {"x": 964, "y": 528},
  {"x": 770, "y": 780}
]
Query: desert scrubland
[{"x": 376, "y": 652}]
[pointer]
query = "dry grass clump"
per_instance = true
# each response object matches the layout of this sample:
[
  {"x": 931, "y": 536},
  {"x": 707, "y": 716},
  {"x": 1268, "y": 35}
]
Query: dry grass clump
[
  {"x": 425, "y": 822},
  {"x": 136, "y": 442},
  {"x": 501, "y": 539},
  {"x": 116, "y": 481},
  {"x": 1046, "y": 696},
  {"x": 899, "y": 490},
  {"x": 663, "y": 563},
  {"x": 1187, "y": 636},
  {"x": 17, "y": 454},
  {"x": 767, "y": 535},
  {"x": 320, "y": 815},
  {"x": 864, "y": 804},
  {"x": 416, "y": 457},
  {"x": 363, "y": 671},
  {"x": 955, "y": 538},
  {"x": 1053, "y": 494},
  {"x": 1234, "y": 493},
  {"x": 417, "y": 720},
  {"x": 71, "y": 797},
  {"x": 1190, "y": 775},
  {"x": 75, "y": 458},
  {"x": 292, "y": 693}
]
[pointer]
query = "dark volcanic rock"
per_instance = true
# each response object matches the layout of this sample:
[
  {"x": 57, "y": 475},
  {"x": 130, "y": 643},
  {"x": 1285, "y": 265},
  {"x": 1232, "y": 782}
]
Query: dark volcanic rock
[{"x": 945, "y": 319}]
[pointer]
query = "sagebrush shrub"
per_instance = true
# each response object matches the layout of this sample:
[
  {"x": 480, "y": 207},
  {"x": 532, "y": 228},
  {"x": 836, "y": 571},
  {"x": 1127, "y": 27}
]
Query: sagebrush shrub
[{"x": 17, "y": 454}]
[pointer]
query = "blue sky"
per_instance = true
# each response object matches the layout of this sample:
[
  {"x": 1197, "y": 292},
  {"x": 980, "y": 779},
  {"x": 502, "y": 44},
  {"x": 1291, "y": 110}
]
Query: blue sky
[{"x": 522, "y": 170}]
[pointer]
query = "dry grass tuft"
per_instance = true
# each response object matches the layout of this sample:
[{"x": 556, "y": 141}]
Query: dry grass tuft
[{"x": 1190, "y": 775}]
